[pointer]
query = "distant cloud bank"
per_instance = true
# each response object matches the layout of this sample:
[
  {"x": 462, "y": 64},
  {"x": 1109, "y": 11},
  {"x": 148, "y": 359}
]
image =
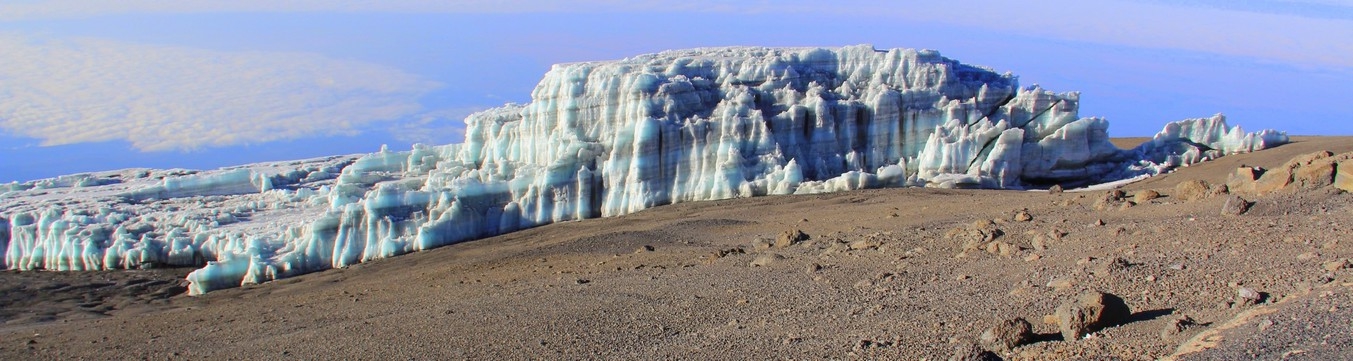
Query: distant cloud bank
[{"x": 66, "y": 91}]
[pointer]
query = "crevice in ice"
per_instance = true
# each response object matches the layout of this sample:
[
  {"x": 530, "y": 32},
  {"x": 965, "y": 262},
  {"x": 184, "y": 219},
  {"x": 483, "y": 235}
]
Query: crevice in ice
[
  {"x": 1039, "y": 114},
  {"x": 997, "y": 108}
]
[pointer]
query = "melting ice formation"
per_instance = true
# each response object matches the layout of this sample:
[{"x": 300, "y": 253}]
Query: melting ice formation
[{"x": 600, "y": 139}]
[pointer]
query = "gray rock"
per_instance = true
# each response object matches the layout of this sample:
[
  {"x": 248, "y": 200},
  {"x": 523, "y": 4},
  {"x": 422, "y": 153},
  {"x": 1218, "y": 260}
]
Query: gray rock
[
  {"x": 1336, "y": 265},
  {"x": 766, "y": 260},
  {"x": 1192, "y": 190},
  {"x": 789, "y": 238},
  {"x": 1343, "y": 177},
  {"x": 1091, "y": 311},
  {"x": 862, "y": 245},
  {"x": 1247, "y": 296},
  {"x": 1235, "y": 206},
  {"x": 1001, "y": 248},
  {"x": 1177, "y": 326},
  {"x": 1116, "y": 194},
  {"x": 970, "y": 352},
  {"x": 1039, "y": 242},
  {"x": 762, "y": 244},
  {"x": 1007, "y": 335},
  {"x": 1145, "y": 196}
]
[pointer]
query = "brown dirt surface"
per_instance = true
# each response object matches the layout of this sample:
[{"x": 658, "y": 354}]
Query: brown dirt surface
[
  {"x": 884, "y": 274},
  {"x": 1128, "y": 143}
]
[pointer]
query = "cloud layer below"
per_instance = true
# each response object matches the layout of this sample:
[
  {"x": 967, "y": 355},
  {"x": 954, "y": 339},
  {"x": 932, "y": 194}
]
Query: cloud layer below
[{"x": 65, "y": 91}]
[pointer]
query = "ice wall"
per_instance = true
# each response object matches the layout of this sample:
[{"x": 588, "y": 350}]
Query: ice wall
[{"x": 608, "y": 138}]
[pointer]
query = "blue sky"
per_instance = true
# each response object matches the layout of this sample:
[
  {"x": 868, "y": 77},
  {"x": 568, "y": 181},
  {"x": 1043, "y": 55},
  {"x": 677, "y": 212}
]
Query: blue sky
[{"x": 94, "y": 85}]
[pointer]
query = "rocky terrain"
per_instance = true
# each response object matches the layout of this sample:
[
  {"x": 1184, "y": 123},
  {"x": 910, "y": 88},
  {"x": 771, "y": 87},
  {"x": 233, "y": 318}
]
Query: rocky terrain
[{"x": 1216, "y": 261}]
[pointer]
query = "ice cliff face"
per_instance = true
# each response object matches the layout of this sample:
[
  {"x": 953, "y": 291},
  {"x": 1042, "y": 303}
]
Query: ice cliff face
[{"x": 602, "y": 139}]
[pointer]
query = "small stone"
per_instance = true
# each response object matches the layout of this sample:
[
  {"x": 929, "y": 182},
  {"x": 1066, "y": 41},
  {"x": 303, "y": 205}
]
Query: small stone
[
  {"x": 1116, "y": 194},
  {"x": 812, "y": 268},
  {"x": 582, "y": 281},
  {"x": 862, "y": 245},
  {"x": 1055, "y": 189},
  {"x": 1112, "y": 265},
  {"x": 1039, "y": 242},
  {"x": 1265, "y": 323},
  {"x": 725, "y": 252},
  {"x": 1343, "y": 177},
  {"x": 1217, "y": 190},
  {"x": 971, "y": 352},
  {"x": 1007, "y": 334},
  {"x": 1247, "y": 296},
  {"x": 1099, "y": 223},
  {"x": 766, "y": 260},
  {"x": 1235, "y": 206},
  {"x": 1060, "y": 284},
  {"x": 1145, "y": 196},
  {"x": 1192, "y": 190},
  {"x": 1151, "y": 278},
  {"x": 789, "y": 238},
  {"x": 1177, "y": 326},
  {"x": 1000, "y": 248},
  {"x": 645, "y": 248},
  {"x": 1022, "y": 216},
  {"x": 1091, "y": 311},
  {"x": 1032, "y": 257},
  {"x": 1336, "y": 265}
]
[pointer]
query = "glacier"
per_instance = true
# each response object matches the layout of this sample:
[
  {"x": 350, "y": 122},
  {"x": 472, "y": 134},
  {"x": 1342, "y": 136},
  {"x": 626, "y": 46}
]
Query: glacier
[{"x": 601, "y": 139}]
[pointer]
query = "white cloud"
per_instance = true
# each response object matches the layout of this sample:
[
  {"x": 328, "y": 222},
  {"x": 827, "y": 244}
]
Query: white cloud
[
  {"x": 66, "y": 91},
  {"x": 435, "y": 127}
]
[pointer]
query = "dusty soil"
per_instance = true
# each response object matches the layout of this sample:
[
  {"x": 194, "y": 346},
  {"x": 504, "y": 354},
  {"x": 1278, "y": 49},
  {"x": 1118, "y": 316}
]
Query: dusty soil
[{"x": 881, "y": 276}]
